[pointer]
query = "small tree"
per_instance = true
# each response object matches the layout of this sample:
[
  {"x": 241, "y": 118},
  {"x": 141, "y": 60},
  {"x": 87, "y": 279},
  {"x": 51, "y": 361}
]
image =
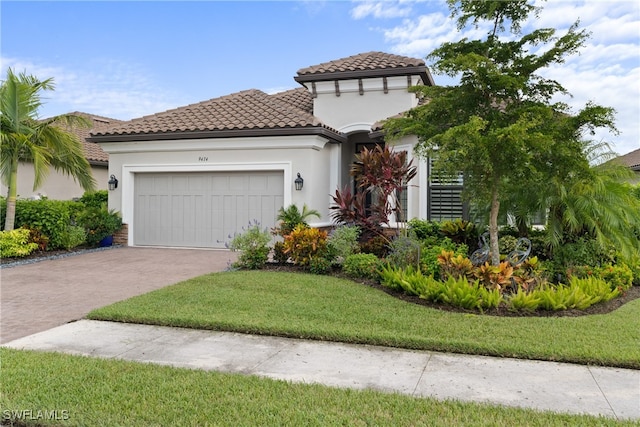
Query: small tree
[
  {"x": 44, "y": 143},
  {"x": 382, "y": 174},
  {"x": 498, "y": 126}
]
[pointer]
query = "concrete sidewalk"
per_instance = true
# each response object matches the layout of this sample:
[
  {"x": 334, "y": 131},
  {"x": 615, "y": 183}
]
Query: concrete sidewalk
[{"x": 558, "y": 387}]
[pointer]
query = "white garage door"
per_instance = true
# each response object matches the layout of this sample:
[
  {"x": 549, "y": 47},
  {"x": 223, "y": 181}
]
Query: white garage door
[{"x": 202, "y": 209}]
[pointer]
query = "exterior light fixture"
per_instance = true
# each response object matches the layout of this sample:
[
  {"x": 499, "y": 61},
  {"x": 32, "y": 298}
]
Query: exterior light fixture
[
  {"x": 113, "y": 183},
  {"x": 299, "y": 182}
]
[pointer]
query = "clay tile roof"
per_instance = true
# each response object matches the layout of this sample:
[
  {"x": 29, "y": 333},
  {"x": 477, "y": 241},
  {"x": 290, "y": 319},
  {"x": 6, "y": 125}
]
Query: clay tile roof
[
  {"x": 299, "y": 98},
  {"x": 631, "y": 160},
  {"x": 370, "y": 64},
  {"x": 231, "y": 115},
  {"x": 92, "y": 151}
]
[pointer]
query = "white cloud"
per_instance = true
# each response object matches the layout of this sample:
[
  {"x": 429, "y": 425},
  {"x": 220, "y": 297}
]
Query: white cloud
[
  {"x": 118, "y": 90},
  {"x": 381, "y": 9}
]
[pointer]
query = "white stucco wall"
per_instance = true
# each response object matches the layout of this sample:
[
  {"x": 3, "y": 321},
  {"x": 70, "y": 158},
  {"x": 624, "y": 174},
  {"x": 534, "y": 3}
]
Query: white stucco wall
[
  {"x": 308, "y": 155},
  {"x": 57, "y": 186},
  {"x": 351, "y": 111}
]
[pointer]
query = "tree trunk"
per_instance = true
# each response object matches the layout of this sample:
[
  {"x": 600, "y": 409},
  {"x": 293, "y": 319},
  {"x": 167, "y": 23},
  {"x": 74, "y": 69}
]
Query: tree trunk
[
  {"x": 494, "y": 251},
  {"x": 11, "y": 197}
]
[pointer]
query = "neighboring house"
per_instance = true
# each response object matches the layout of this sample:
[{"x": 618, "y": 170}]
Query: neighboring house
[
  {"x": 195, "y": 175},
  {"x": 632, "y": 160},
  {"x": 63, "y": 187}
]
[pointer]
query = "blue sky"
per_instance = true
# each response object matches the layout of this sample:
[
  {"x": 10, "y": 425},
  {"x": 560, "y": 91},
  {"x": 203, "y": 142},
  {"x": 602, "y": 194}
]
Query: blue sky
[{"x": 129, "y": 59}]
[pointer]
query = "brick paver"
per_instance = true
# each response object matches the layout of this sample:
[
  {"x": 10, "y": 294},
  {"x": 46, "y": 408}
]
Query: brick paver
[{"x": 40, "y": 296}]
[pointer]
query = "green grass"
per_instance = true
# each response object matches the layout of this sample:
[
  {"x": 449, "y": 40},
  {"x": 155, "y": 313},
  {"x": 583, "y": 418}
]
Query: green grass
[
  {"x": 98, "y": 392},
  {"x": 328, "y": 308}
]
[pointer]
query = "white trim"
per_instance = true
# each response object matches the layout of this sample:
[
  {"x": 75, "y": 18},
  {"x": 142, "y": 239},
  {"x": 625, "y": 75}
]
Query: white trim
[
  {"x": 128, "y": 179},
  {"x": 410, "y": 202},
  {"x": 335, "y": 168},
  {"x": 423, "y": 174},
  {"x": 356, "y": 127},
  {"x": 314, "y": 142}
]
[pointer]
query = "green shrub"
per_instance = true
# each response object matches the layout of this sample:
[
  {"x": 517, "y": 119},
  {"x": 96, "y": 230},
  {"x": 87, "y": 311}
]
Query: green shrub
[
  {"x": 343, "y": 241},
  {"x": 99, "y": 223},
  {"x": 319, "y": 265},
  {"x": 73, "y": 237},
  {"x": 424, "y": 229},
  {"x": 583, "y": 251},
  {"x": 253, "y": 246},
  {"x": 364, "y": 266},
  {"x": 95, "y": 199},
  {"x": 507, "y": 244},
  {"x": 429, "y": 255},
  {"x": 618, "y": 276},
  {"x": 278, "y": 253},
  {"x": 378, "y": 246},
  {"x": 404, "y": 251},
  {"x": 50, "y": 217},
  {"x": 303, "y": 244},
  {"x": 15, "y": 243}
]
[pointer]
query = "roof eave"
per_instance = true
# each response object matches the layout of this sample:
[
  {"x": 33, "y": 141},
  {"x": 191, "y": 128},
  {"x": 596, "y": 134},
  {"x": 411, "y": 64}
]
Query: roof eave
[
  {"x": 98, "y": 162},
  {"x": 231, "y": 133},
  {"x": 421, "y": 70}
]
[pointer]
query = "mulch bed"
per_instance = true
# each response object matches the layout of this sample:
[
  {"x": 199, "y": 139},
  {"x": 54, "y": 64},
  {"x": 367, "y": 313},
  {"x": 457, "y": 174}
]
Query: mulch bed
[{"x": 502, "y": 311}]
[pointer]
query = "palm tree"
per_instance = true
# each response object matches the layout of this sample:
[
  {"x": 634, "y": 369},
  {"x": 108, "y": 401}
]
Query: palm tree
[
  {"x": 45, "y": 143},
  {"x": 592, "y": 199},
  {"x": 291, "y": 216},
  {"x": 601, "y": 205}
]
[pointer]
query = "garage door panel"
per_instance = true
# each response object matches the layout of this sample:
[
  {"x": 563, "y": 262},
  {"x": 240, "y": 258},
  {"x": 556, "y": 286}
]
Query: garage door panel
[{"x": 203, "y": 209}]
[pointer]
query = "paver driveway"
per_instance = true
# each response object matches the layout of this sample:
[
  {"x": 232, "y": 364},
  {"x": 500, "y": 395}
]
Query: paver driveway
[{"x": 36, "y": 297}]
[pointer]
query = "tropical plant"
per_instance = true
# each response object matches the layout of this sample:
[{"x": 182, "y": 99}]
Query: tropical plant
[
  {"x": 291, "y": 216},
  {"x": 15, "y": 243},
  {"x": 423, "y": 228},
  {"x": 469, "y": 295},
  {"x": 596, "y": 205},
  {"x": 456, "y": 266},
  {"x": 253, "y": 244},
  {"x": 459, "y": 230},
  {"x": 499, "y": 127},
  {"x": 617, "y": 276},
  {"x": 381, "y": 174},
  {"x": 303, "y": 244},
  {"x": 44, "y": 143},
  {"x": 494, "y": 276}
]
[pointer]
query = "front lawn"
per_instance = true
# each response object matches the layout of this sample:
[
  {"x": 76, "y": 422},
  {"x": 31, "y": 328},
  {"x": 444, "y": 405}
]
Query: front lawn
[
  {"x": 329, "y": 308},
  {"x": 82, "y": 391}
]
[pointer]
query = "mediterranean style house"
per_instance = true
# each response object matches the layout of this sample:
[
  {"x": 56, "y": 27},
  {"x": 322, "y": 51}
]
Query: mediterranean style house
[
  {"x": 59, "y": 186},
  {"x": 195, "y": 175}
]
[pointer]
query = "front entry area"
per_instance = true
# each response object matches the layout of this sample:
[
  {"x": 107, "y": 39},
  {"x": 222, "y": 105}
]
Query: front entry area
[{"x": 202, "y": 209}]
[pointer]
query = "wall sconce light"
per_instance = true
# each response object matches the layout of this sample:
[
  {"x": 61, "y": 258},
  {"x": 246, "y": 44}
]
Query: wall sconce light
[
  {"x": 299, "y": 182},
  {"x": 113, "y": 183}
]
